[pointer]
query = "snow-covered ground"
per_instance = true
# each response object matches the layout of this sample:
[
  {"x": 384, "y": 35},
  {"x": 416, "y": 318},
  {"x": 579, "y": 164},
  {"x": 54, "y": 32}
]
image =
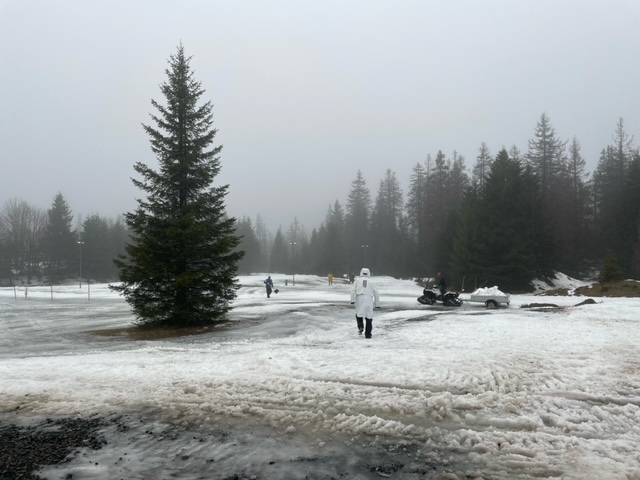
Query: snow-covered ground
[{"x": 290, "y": 390}]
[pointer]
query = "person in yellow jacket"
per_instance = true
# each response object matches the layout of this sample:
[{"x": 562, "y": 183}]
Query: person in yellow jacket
[
  {"x": 365, "y": 295},
  {"x": 330, "y": 278}
]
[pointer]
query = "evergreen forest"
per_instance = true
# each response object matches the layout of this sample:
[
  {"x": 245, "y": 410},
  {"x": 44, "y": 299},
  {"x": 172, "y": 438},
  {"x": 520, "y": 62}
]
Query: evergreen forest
[{"x": 501, "y": 218}]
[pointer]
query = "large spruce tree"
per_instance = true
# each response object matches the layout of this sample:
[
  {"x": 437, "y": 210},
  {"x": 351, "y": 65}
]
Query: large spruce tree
[
  {"x": 357, "y": 218},
  {"x": 501, "y": 239},
  {"x": 97, "y": 248},
  {"x": 250, "y": 245},
  {"x": 281, "y": 258},
  {"x": 385, "y": 246},
  {"x": 332, "y": 242},
  {"x": 613, "y": 181},
  {"x": 59, "y": 241},
  {"x": 180, "y": 267}
]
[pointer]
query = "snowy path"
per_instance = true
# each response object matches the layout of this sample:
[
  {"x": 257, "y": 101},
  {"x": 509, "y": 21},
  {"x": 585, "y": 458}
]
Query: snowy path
[{"x": 552, "y": 394}]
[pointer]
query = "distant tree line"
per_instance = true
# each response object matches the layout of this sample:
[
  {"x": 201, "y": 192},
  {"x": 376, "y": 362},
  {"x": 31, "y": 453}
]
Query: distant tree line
[
  {"x": 41, "y": 246},
  {"x": 512, "y": 218}
]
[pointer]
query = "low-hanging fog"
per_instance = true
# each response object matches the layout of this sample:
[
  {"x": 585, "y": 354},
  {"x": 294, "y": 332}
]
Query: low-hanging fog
[{"x": 304, "y": 95}]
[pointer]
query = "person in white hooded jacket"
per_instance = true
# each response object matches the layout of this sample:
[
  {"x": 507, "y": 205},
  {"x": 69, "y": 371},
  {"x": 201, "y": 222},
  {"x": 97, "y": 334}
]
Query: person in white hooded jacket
[{"x": 365, "y": 295}]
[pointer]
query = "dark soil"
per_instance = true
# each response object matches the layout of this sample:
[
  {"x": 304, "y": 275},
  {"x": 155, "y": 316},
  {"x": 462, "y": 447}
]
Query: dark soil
[
  {"x": 622, "y": 288},
  {"x": 23, "y": 450}
]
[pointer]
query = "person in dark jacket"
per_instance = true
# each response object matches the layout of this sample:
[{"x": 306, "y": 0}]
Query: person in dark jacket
[
  {"x": 442, "y": 285},
  {"x": 268, "y": 283}
]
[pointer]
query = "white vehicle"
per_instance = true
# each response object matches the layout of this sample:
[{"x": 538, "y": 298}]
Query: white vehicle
[{"x": 491, "y": 297}]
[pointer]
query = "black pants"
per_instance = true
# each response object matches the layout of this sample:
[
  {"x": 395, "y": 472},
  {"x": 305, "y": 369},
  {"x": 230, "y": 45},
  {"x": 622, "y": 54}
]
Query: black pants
[
  {"x": 368, "y": 328},
  {"x": 268, "y": 291}
]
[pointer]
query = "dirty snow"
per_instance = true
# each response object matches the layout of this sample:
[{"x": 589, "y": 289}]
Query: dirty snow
[{"x": 436, "y": 393}]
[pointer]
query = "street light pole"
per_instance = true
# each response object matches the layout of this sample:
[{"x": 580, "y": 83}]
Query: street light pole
[
  {"x": 81, "y": 243},
  {"x": 364, "y": 248},
  {"x": 293, "y": 269}
]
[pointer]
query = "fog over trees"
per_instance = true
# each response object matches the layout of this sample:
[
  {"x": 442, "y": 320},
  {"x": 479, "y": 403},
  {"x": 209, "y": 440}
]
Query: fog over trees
[{"x": 504, "y": 218}]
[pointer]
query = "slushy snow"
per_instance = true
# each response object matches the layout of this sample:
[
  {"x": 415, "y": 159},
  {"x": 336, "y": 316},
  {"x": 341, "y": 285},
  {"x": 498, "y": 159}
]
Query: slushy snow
[{"x": 468, "y": 392}]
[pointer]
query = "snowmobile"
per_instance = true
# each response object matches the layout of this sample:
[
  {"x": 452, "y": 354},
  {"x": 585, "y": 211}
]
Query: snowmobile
[{"x": 432, "y": 295}]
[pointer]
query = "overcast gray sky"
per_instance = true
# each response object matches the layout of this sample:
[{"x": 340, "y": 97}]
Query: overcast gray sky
[{"x": 305, "y": 93}]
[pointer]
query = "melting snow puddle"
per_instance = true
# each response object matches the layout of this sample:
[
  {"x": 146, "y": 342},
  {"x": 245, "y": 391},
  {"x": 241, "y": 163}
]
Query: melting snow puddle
[{"x": 140, "y": 448}]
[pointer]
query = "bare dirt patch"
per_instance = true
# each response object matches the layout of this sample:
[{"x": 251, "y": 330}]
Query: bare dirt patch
[{"x": 623, "y": 288}]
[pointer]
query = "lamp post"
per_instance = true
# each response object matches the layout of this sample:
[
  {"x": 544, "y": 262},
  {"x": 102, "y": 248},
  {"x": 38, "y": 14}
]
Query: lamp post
[
  {"x": 364, "y": 248},
  {"x": 81, "y": 243},
  {"x": 293, "y": 270}
]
